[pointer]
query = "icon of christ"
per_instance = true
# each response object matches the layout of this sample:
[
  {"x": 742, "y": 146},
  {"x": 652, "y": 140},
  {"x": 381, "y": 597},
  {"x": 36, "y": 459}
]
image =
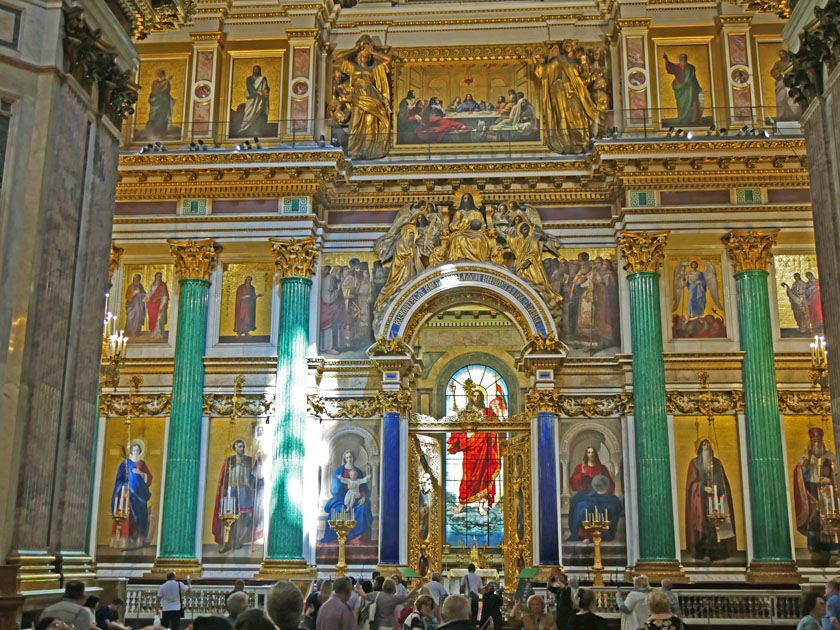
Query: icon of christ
[{"x": 482, "y": 455}]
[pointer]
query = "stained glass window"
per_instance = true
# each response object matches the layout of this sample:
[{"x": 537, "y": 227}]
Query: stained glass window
[{"x": 473, "y": 470}]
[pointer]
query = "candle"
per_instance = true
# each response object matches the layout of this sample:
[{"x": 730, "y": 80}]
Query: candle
[
  {"x": 831, "y": 492},
  {"x": 606, "y": 515},
  {"x": 710, "y": 505}
]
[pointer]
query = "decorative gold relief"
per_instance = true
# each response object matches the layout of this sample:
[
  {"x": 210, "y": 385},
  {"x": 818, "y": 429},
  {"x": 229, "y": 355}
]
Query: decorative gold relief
[
  {"x": 425, "y": 483},
  {"x": 385, "y": 347},
  {"x": 468, "y": 421},
  {"x": 246, "y": 405},
  {"x": 518, "y": 548},
  {"x": 394, "y": 401},
  {"x": 750, "y": 249},
  {"x": 116, "y": 254},
  {"x": 547, "y": 343},
  {"x": 344, "y": 407},
  {"x": 540, "y": 400},
  {"x": 812, "y": 403},
  {"x": 295, "y": 258},
  {"x": 195, "y": 259},
  {"x": 701, "y": 402},
  {"x": 134, "y": 405},
  {"x": 579, "y": 406},
  {"x": 642, "y": 250}
]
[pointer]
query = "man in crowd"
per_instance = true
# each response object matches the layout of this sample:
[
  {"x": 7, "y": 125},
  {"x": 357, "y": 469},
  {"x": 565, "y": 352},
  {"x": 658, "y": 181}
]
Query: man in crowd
[
  {"x": 813, "y": 607},
  {"x": 831, "y": 619},
  {"x": 284, "y": 604},
  {"x": 169, "y": 604},
  {"x": 70, "y": 609},
  {"x": 456, "y": 611},
  {"x": 335, "y": 614},
  {"x": 108, "y": 617},
  {"x": 436, "y": 589}
]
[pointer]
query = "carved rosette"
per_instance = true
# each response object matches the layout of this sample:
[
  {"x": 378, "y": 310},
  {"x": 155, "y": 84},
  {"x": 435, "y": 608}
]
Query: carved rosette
[
  {"x": 295, "y": 257},
  {"x": 195, "y": 259},
  {"x": 750, "y": 250},
  {"x": 642, "y": 251},
  {"x": 114, "y": 261}
]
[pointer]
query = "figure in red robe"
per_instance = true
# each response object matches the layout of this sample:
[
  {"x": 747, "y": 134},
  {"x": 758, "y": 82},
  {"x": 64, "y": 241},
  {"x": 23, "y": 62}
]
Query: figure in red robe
[
  {"x": 235, "y": 495},
  {"x": 482, "y": 460},
  {"x": 813, "y": 299},
  {"x": 158, "y": 306},
  {"x": 245, "y": 317},
  {"x": 434, "y": 124},
  {"x": 594, "y": 491},
  {"x": 705, "y": 476}
]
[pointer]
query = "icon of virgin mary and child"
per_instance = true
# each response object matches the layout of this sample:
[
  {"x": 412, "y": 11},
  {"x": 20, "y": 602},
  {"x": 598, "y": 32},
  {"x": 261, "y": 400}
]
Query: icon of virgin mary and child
[{"x": 350, "y": 491}]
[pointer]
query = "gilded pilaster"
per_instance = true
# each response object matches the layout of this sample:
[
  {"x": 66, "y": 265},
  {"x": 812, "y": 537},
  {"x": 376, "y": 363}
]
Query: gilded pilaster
[
  {"x": 114, "y": 260},
  {"x": 295, "y": 262},
  {"x": 194, "y": 263},
  {"x": 643, "y": 252},
  {"x": 750, "y": 251}
]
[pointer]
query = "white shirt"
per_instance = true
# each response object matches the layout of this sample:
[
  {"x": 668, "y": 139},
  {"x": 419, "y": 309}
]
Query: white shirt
[
  {"x": 170, "y": 595},
  {"x": 471, "y": 583},
  {"x": 436, "y": 590}
]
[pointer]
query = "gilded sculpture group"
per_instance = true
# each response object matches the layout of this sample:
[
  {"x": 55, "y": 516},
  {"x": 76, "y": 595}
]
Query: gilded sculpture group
[
  {"x": 421, "y": 237},
  {"x": 572, "y": 93}
]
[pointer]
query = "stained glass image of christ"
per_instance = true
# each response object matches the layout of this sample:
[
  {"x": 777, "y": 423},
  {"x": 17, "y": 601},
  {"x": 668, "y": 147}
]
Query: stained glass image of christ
[{"x": 474, "y": 460}]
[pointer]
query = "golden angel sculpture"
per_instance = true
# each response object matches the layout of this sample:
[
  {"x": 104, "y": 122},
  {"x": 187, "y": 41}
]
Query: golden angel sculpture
[
  {"x": 510, "y": 236},
  {"x": 361, "y": 100},
  {"x": 573, "y": 93}
]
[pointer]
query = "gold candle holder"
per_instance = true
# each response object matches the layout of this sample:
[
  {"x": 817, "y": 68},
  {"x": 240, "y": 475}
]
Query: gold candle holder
[
  {"x": 595, "y": 525},
  {"x": 342, "y": 526}
]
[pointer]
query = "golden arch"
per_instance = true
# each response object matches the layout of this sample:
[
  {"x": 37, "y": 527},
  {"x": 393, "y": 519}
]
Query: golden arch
[{"x": 468, "y": 283}]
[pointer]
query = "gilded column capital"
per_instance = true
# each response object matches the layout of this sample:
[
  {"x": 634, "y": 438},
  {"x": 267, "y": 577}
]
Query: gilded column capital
[
  {"x": 538, "y": 400},
  {"x": 194, "y": 259},
  {"x": 294, "y": 257},
  {"x": 399, "y": 401},
  {"x": 642, "y": 250},
  {"x": 750, "y": 249},
  {"x": 116, "y": 254}
]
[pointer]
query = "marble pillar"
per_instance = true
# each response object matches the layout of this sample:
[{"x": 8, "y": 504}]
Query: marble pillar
[
  {"x": 772, "y": 562},
  {"x": 643, "y": 252},
  {"x": 194, "y": 263},
  {"x": 390, "y": 528},
  {"x": 295, "y": 261}
]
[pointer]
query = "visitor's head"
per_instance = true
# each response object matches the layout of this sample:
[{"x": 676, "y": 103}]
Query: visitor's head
[
  {"x": 51, "y": 623},
  {"x": 92, "y": 602},
  {"x": 367, "y": 586},
  {"x": 641, "y": 581},
  {"x": 239, "y": 585},
  {"x": 75, "y": 590},
  {"x": 253, "y": 619},
  {"x": 116, "y": 604},
  {"x": 342, "y": 588},
  {"x": 211, "y": 622},
  {"x": 379, "y": 582},
  {"x": 658, "y": 603},
  {"x": 397, "y": 578},
  {"x": 436, "y": 577},
  {"x": 471, "y": 568},
  {"x": 284, "y": 604},
  {"x": 237, "y": 603},
  {"x": 325, "y": 590},
  {"x": 239, "y": 447},
  {"x": 813, "y": 604},
  {"x": 590, "y": 457},
  {"x": 536, "y": 604},
  {"x": 832, "y": 586},
  {"x": 425, "y": 604},
  {"x": 170, "y": 575},
  {"x": 667, "y": 585},
  {"x": 455, "y": 608},
  {"x": 389, "y": 586},
  {"x": 587, "y": 599}
]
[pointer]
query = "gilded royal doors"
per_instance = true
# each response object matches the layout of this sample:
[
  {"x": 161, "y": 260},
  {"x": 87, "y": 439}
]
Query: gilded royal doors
[{"x": 518, "y": 550}]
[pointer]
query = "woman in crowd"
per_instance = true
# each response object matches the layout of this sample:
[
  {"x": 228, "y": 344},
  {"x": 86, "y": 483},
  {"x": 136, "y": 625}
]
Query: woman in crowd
[
  {"x": 585, "y": 618},
  {"x": 661, "y": 617},
  {"x": 316, "y": 599},
  {"x": 424, "y": 609},
  {"x": 535, "y": 619},
  {"x": 387, "y": 601}
]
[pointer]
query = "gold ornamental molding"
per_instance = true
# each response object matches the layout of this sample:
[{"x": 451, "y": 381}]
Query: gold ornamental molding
[
  {"x": 114, "y": 261},
  {"x": 199, "y": 158},
  {"x": 208, "y": 36},
  {"x": 464, "y": 53},
  {"x": 607, "y": 406},
  {"x": 195, "y": 259},
  {"x": 295, "y": 258},
  {"x": 468, "y": 421},
  {"x": 134, "y": 405},
  {"x": 642, "y": 251},
  {"x": 388, "y": 347},
  {"x": 333, "y": 408},
  {"x": 744, "y": 19},
  {"x": 806, "y": 403},
  {"x": 633, "y": 23},
  {"x": 702, "y": 402},
  {"x": 247, "y": 405},
  {"x": 301, "y": 33},
  {"x": 399, "y": 401},
  {"x": 750, "y": 250}
]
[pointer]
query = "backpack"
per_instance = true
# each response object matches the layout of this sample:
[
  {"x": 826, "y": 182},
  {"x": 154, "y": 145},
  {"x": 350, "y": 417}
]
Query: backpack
[
  {"x": 367, "y": 613},
  {"x": 404, "y": 614}
]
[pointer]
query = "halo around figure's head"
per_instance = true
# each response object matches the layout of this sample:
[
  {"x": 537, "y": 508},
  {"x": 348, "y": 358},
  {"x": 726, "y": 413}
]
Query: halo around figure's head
[
  {"x": 407, "y": 229},
  {"x": 138, "y": 442},
  {"x": 477, "y": 195},
  {"x": 699, "y": 442}
]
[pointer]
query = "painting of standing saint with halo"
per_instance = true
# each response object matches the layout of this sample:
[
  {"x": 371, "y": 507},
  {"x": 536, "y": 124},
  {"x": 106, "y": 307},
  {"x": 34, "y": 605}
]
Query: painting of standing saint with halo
[{"x": 697, "y": 298}]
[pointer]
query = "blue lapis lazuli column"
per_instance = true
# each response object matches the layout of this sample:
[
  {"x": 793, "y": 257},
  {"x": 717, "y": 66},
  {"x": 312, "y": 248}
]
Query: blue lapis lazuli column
[
  {"x": 390, "y": 527},
  {"x": 547, "y": 474}
]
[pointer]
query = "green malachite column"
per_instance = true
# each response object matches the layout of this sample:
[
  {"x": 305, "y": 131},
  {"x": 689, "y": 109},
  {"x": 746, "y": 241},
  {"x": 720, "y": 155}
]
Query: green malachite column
[
  {"x": 750, "y": 251},
  {"x": 194, "y": 262},
  {"x": 295, "y": 260},
  {"x": 657, "y": 547}
]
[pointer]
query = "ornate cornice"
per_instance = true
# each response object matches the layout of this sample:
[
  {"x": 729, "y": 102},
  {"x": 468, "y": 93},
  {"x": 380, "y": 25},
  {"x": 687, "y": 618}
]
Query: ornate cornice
[
  {"x": 750, "y": 249},
  {"x": 366, "y": 407},
  {"x": 817, "y": 48},
  {"x": 633, "y": 23},
  {"x": 202, "y": 158},
  {"x": 301, "y": 33},
  {"x": 642, "y": 251},
  {"x": 295, "y": 258},
  {"x": 702, "y": 402},
  {"x": 468, "y": 421},
  {"x": 810, "y": 403},
  {"x": 134, "y": 405},
  {"x": 743, "y": 19},
  {"x": 216, "y": 37},
  {"x": 114, "y": 261},
  {"x": 194, "y": 259},
  {"x": 570, "y": 406},
  {"x": 246, "y": 405},
  {"x": 781, "y": 8}
]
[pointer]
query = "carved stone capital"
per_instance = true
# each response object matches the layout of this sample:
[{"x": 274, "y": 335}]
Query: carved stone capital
[
  {"x": 642, "y": 250},
  {"x": 750, "y": 249},
  {"x": 195, "y": 259},
  {"x": 394, "y": 401},
  {"x": 538, "y": 400},
  {"x": 818, "y": 48},
  {"x": 293, "y": 257},
  {"x": 116, "y": 254}
]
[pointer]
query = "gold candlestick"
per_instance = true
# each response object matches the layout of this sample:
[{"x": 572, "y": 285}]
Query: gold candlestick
[
  {"x": 341, "y": 526},
  {"x": 595, "y": 525},
  {"x": 717, "y": 518},
  {"x": 228, "y": 520}
]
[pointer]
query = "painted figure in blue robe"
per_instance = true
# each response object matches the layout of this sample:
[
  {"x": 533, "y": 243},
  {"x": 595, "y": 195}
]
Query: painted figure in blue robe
[
  {"x": 350, "y": 491},
  {"x": 695, "y": 282},
  {"x": 588, "y": 499},
  {"x": 135, "y": 476}
]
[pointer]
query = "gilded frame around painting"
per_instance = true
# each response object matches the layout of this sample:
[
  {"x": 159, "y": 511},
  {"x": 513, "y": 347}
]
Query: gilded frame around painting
[
  {"x": 697, "y": 290},
  {"x": 798, "y": 297},
  {"x": 699, "y": 53},
  {"x": 245, "y": 304},
  {"x": 261, "y": 119},
  {"x": 145, "y": 312},
  {"x": 425, "y": 517},
  {"x": 154, "y": 120}
]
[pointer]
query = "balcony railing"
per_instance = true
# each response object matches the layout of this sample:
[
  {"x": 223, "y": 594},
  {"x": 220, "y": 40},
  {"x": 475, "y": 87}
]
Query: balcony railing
[{"x": 474, "y": 138}]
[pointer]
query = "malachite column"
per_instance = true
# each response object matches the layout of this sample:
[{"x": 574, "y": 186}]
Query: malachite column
[
  {"x": 772, "y": 562},
  {"x": 295, "y": 261},
  {"x": 657, "y": 547},
  {"x": 194, "y": 262}
]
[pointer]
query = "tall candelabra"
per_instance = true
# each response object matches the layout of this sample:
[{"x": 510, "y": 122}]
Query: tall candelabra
[
  {"x": 595, "y": 524},
  {"x": 229, "y": 503},
  {"x": 121, "y": 509},
  {"x": 342, "y": 522},
  {"x": 114, "y": 343},
  {"x": 819, "y": 380}
]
